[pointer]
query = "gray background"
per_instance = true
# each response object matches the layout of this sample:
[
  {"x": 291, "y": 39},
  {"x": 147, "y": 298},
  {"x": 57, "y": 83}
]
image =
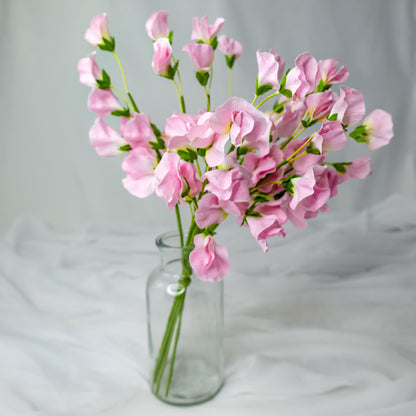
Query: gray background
[{"x": 49, "y": 170}]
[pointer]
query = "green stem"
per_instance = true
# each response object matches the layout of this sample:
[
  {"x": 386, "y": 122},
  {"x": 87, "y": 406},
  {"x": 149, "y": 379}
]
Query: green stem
[
  {"x": 122, "y": 96},
  {"x": 208, "y": 98},
  {"x": 231, "y": 82},
  {"x": 179, "y": 221},
  {"x": 264, "y": 100}
]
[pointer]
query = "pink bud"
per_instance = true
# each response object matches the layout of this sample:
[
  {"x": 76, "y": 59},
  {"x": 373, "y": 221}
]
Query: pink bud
[
  {"x": 157, "y": 25},
  {"x": 88, "y": 71},
  {"x": 358, "y": 169},
  {"x": 303, "y": 78},
  {"x": 98, "y": 30},
  {"x": 201, "y": 30},
  {"x": 379, "y": 129},
  {"x": 330, "y": 73},
  {"x": 162, "y": 56},
  {"x": 103, "y": 102},
  {"x": 201, "y": 54},
  {"x": 230, "y": 47},
  {"x": 105, "y": 140},
  {"x": 271, "y": 67}
]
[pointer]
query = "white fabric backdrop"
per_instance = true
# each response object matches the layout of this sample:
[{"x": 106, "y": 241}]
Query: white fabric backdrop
[
  {"x": 47, "y": 167},
  {"x": 323, "y": 325}
]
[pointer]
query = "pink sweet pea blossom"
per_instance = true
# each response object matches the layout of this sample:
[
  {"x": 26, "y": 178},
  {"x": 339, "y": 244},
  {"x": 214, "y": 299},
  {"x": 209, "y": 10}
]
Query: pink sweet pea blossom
[
  {"x": 350, "y": 106},
  {"x": 379, "y": 129},
  {"x": 303, "y": 78},
  {"x": 168, "y": 179},
  {"x": 330, "y": 74},
  {"x": 359, "y": 169},
  {"x": 98, "y": 30},
  {"x": 191, "y": 186},
  {"x": 332, "y": 135},
  {"x": 157, "y": 25},
  {"x": 303, "y": 187},
  {"x": 201, "y": 54},
  {"x": 270, "y": 68},
  {"x": 230, "y": 47},
  {"x": 320, "y": 104},
  {"x": 209, "y": 259},
  {"x": 138, "y": 132},
  {"x": 201, "y": 30},
  {"x": 230, "y": 184},
  {"x": 243, "y": 123},
  {"x": 105, "y": 140},
  {"x": 88, "y": 71},
  {"x": 269, "y": 224},
  {"x": 103, "y": 102},
  {"x": 139, "y": 165},
  {"x": 162, "y": 56},
  {"x": 287, "y": 123}
]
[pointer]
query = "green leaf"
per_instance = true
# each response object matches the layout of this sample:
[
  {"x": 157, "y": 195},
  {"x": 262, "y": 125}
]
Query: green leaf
[
  {"x": 229, "y": 60},
  {"x": 172, "y": 71},
  {"x": 359, "y": 134},
  {"x": 285, "y": 92},
  {"x": 104, "y": 81},
  {"x": 202, "y": 152},
  {"x": 125, "y": 112},
  {"x": 278, "y": 107},
  {"x": 202, "y": 77},
  {"x": 107, "y": 45},
  {"x": 321, "y": 86},
  {"x": 170, "y": 37},
  {"x": 312, "y": 149},
  {"x": 283, "y": 81},
  {"x": 241, "y": 150},
  {"x": 157, "y": 145},
  {"x": 125, "y": 148},
  {"x": 333, "y": 117},
  {"x": 184, "y": 155},
  {"x": 160, "y": 142},
  {"x": 156, "y": 131},
  {"x": 340, "y": 166},
  {"x": 279, "y": 195},
  {"x": 262, "y": 89},
  {"x": 214, "y": 43}
]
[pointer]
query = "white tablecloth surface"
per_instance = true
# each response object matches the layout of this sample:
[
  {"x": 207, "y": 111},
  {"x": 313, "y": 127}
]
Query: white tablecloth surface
[{"x": 322, "y": 325}]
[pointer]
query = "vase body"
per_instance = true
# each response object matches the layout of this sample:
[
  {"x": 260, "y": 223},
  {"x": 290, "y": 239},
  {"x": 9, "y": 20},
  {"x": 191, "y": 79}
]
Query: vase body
[{"x": 185, "y": 328}]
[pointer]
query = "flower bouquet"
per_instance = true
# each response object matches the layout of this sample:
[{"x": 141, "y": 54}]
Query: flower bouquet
[{"x": 263, "y": 162}]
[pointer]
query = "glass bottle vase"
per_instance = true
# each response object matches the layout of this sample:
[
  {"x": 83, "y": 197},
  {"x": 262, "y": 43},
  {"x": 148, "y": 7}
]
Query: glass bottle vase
[{"x": 185, "y": 328}]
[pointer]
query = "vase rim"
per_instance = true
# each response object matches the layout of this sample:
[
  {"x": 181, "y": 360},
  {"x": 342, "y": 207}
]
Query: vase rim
[{"x": 170, "y": 239}]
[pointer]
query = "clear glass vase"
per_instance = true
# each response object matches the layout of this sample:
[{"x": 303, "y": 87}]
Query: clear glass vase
[{"x": 185, "y": 328}]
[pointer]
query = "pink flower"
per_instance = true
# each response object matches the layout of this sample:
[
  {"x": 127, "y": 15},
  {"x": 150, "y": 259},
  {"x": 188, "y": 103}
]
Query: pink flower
[
  {"x": 138, "y": 132},
  {"x": 230, "y": 184},
  {"x": 303, "y": 78},
  {"x": 260, "y": 166},
  {"x": 201, "y": 54},
  {"x": 209, "y": 259},
  {"x": 269, "y": 224},
  {"x": 287, "y": 123},
  {"x": 139, "y": 165},
  {"x": 350, "y": 106},
  {"x": 201, "y": 30},
  {"x": 270, "y": 68},
  {"x": 168, "y": 179},
  {"x": 162, "y": 56},
  {"x": 209, "y": 211},
  {"x": 103, "y": 102},
  {"x": 98, "y": 30},
  {"x": 88, "y": 71},
  {"x": 330, "y": 74},
  {"x": 303, "y": 187},
  {"x": 332, "y": 135},
  {"x": 243, "y": 123},
  {"x": 191, "y": 186},
  {"x": 230, "y": 47},
  {"x": 320, "y": 104},
  {"x": 157, "y": 25},
  {"x": 105, "y": 140},
  {"x": 359, "y": 169},
  {"x": 379, "y": 129}
]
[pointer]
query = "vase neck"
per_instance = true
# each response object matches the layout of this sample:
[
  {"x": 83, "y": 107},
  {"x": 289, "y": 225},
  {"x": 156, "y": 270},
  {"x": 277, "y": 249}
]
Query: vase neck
[{"x": 172, "y": 255}]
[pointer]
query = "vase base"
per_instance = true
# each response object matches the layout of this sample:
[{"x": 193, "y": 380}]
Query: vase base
[{"x": 194, "y": 381}]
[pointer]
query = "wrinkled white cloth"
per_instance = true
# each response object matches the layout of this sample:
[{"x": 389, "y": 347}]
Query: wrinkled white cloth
[{"x": 322, "y": 325}]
